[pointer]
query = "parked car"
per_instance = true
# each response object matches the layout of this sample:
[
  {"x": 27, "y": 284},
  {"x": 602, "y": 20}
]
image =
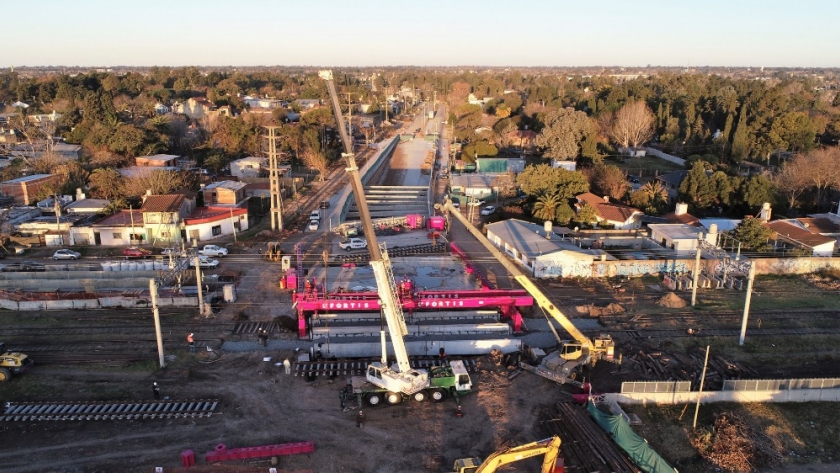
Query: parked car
[
  {"x": 352, "y": 244},
  {"x": 24, "y": 266},
  {"x": 325, "y": 204},
  {"x": 213, "y": 250},
  {"x": 489, "y": 210},
  {"x": 170, "y": 251},
  {"x": 136, "y": 252},
  {"x": 313, "y": 225},
  {"x": 66, "y": 254},
  {"x": 632, "y": 179},
  {"x": 204, "y": 262}
]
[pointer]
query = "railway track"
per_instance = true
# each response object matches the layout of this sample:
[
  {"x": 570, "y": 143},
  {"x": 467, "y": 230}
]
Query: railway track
[
  {"x": 107, "y": 410},
  {"x": 674, "y": 333},
  {"x": 357, "y": 367}
]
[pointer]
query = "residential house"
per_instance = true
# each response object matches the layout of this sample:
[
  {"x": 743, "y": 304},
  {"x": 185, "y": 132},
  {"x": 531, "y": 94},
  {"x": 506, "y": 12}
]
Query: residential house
[
  {"x": 87, "y": 206},
  {"x": 682, "y": 238},
  {"x": 256, "y": 102},
  {"x": 308, "y": 104},
  {"x": 609, "y": 213},
  {"x": 8, "y": 137},
  {"x": 671, "y": 182},
  {"x": 123, "y": 228},
  {"x": 195, "y": 107},
  {"x": 565, "y": 164},
  {"x": 39, "y": 118},
  {"x": 474, "y": 185},
  {"x": 791, "y": 233},
  {"x": 158, "y": 160},
  {"x": 473, "y": 100},
  {"x": 543, "y": 252},
  {"x": 224, "y": 193},
  {"x": 207, "y": 223},
  {"x": 27, "y": 189},
  {"x": 681, "y": 215},
  {"x": 56, "y": 231},
  {"x": 161, "y": 109},
  {"x": 251, "y": 166},
  {"x": 163, "y": 215}
]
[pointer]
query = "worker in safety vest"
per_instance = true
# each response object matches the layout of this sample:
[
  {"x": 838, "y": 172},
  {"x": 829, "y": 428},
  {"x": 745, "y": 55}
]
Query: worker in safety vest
[{"x": 191, "y": 342}]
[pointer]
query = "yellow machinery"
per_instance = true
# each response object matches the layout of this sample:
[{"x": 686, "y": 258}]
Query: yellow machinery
[
  {"x": 12, "y": 363},
  {"x": 549, "y": 447},
  {"x": 562, "y": 365}
]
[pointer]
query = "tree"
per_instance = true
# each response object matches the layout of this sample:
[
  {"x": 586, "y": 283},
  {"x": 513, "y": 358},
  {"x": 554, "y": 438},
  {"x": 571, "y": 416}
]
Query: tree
[
  {"x": 752, "y": 234},
  {"x": 756, "y": 190},
  {"x": 106, "y": 184},
  {"x": 552, "y": 207},
  {"x": 792, "y": 181},
  {"x": 696, "y": 189},
  {"x": 160, "y": 182},
  {"x": 586, "y": 215},
  {"x": 315, "y": 160},
  {"x": 651, "y": 198},
  {"x": 543, "y": 179},
  {"x": 610, "y": 180},
  {"x": 794, "y": 131},
  {"x": 478, "y": 148},
  {"x": 633, "y": 125},
  {"x": 721, "y": 187},
  {"x": 739, "y": 139},
  {"x": 564, "y": 131}
]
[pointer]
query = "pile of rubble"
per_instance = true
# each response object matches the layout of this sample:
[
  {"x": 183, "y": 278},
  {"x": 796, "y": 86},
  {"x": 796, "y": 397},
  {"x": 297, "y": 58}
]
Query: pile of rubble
[
  {"x": 672, "y": 301},
  {"x": 732, "y": 445},
  {"x": 596, "y": 311},
  {"x": 662, "y": 366}
]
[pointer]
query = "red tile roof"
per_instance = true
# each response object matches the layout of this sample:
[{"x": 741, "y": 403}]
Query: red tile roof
[
  {"x": 163, "y": 203},
  {"x": 794, "y": 233},
  {"x": 213, "y": 214},
  {"x": 820, "y": 225},
  {"x": 687, "y": 219},
  {"x": 608, "y": 210}
]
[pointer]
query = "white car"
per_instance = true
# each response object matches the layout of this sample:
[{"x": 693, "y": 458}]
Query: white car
[
  {"x": 489, "y": 210},
  {"x": 213, "y": 250},
  {"x": 315, "y": 215},
  {"x": 353, "y": 244},
  {"x": 204, "y": 262},
  {"x": 313, "y": 225},
  {"x": 66, "y": 254}
]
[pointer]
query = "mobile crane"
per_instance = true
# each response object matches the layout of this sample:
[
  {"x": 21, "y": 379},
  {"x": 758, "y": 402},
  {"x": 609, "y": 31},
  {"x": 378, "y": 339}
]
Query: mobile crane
[
  {"x": 564, "y": 364},
  {"x": 401, "y": 381},
  {"x": 549, "y": 447}
]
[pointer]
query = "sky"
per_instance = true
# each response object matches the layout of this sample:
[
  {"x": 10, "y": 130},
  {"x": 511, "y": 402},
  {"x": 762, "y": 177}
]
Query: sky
[{"x": 346, "y": 33}]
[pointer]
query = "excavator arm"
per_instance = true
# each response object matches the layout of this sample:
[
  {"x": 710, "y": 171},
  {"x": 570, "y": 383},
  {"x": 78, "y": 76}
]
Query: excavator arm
[{"x": 549, "y": 447}]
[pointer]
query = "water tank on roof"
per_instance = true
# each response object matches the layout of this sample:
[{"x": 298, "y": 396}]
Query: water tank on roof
[{"x": 547, "y": 227}]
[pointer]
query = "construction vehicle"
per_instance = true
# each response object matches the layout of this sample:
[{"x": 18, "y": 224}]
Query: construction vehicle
[
  {"x": 400, "y": 381},
  {"x": 566, "y": 363},
  {"x": 549, "y": 447},
  {"x": 12, "y": 363},
  {"x": 272, "y": 251}
]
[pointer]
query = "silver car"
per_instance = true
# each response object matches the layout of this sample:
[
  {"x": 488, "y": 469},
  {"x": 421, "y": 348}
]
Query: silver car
[{"x": 66, "y": 254}]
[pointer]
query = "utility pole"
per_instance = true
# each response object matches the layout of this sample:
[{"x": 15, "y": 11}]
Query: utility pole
[
  {"x": 696, "y": 277},
  {"x": 233, "y": 224},
  {"x": 700, "y": 393},
  {"x": 274, "y": 179},
  {"x": 750, "y": 279},
  {"x": 154, "y": 291},
  {"x": 198, "y": 284}
]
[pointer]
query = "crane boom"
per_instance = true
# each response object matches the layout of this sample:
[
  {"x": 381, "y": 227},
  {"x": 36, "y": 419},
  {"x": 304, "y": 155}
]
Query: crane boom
[
  {"x": 403, "y": 379},
  {"x": 523, "y": 280}
]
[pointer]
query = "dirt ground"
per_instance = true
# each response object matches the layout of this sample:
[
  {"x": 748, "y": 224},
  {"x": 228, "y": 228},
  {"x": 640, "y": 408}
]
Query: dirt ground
[{"x": 261, "y": 405}]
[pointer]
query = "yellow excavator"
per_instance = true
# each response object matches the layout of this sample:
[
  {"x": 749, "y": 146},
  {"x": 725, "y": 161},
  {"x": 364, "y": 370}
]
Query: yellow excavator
[
  {"x": 549, "y": 447},
  {"x": 12, "y": 363},
  {"x": 564, "y": 364}
]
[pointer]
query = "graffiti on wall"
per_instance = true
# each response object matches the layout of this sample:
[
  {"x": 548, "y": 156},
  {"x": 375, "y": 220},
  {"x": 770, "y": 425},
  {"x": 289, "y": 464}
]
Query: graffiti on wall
[
  {"x": 732, "y": 266},
  {"x": 638, "y": 268},
  {"x": 565, "y": 269}
]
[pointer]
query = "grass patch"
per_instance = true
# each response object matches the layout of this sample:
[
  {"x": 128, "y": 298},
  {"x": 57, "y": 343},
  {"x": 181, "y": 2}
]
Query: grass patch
[
  {"x": 810, "y": 430},
  {"x": 646, "y": 166}
]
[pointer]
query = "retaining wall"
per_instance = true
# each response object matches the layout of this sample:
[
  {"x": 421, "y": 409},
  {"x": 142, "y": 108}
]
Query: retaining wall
[
  {"x": 99, "y": 303},
  {"x": 667, "y": 157},
  {"x": 793, "y": 395}
]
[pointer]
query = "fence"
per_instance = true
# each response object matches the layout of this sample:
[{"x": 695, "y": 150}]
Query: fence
[
  {"x": 765, "y": 390},
  {"x": 655, "y": 387}
]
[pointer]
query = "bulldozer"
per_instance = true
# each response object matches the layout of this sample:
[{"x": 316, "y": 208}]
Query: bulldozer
[{"x": 12, "y": 363}]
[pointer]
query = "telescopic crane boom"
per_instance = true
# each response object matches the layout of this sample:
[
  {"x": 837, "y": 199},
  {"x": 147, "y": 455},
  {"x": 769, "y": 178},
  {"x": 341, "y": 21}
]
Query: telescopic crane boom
[
  {"x": 402, "y": 379},
  {"x": 571, "y": 354}
]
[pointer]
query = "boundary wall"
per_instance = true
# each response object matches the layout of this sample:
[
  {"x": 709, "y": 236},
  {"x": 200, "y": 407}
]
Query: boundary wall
[{"x": 741, "y": 391}]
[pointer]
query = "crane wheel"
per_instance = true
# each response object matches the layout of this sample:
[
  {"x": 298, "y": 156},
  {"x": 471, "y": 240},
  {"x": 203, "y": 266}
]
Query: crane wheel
[
  {"x": 5, "y": 374},
  {"x": 438, "y": 395},
  {"x": 393, "y": 398},
  {"x": 419, "y": 396},
  {"x": 374, "y": 399}
]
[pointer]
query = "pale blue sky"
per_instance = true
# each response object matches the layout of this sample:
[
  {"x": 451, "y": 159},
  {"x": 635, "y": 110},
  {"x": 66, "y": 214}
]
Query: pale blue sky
[{"x": 423, "y": 33}]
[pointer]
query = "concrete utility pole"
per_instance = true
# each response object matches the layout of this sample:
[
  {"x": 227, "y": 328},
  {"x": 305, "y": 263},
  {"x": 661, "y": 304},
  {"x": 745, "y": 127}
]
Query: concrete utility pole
[
  {"x": 198, "y": 284},
  {"x": 274, "y": 179},
  {"x": 696, "y": 277},
  {"x": 700, "y": 393},
  {"x": 750, "y": 279},
  {"x": 154, "y": 291}
]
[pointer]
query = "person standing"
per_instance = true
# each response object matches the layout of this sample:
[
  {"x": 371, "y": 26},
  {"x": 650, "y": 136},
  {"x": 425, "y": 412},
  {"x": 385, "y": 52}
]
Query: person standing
[
  {"x": 156, "y": 391},
  {"x": 342, "y": 396},
  {"x": 360, "y": 420},
  {"x": 191, "y": 341}
]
